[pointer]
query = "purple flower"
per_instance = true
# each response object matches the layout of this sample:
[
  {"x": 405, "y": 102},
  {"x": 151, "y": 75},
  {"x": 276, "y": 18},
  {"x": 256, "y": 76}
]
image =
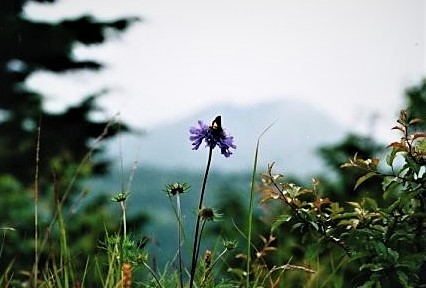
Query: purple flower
[{"x": 213, "y": 135}]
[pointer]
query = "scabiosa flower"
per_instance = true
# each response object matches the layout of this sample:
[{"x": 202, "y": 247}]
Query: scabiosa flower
[{"x": 213, "y": 135}]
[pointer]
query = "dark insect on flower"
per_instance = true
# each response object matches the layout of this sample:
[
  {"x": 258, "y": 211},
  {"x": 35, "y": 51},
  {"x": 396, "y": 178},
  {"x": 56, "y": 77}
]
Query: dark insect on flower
[
  {"x": 213, "y": 135},
  {"x": 217, "y": 124}
]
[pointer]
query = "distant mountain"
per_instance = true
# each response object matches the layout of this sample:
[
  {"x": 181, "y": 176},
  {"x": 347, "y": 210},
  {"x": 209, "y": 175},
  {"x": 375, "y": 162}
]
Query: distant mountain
[{"x": 291, "y": 142}]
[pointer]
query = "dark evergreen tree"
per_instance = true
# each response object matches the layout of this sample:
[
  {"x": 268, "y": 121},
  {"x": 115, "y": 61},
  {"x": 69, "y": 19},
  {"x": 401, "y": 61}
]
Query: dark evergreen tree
[
  {"x": 28, "y": 46},
  {"x": 416, "y": 102}
]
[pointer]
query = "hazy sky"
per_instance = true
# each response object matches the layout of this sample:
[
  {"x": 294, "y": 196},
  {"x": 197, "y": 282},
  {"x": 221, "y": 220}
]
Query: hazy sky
[{"x": 349, "y": 58}]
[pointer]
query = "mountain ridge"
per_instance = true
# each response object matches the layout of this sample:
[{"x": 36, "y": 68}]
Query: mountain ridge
[{"x": 297, "y": 131}]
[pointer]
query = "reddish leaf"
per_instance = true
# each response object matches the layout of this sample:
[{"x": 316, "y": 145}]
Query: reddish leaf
[
  {"x": 418, "y": 135},
  {"x": 401, "y": 128}
]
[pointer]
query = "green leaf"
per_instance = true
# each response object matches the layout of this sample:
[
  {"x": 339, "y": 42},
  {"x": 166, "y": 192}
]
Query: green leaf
[
  {"x": 392, "y": 155},
  {"x": 280, "y": 220},
  {"x": 311, "y": 251},
  {"x": 371, "y": 267},
  {"x": 370, "y": 203},
  {"x": 380, "y": 248},
  {"x": 364, "y": 178},
  {"x": 388, "y": 181},
  {"x": 315, "y": 225},
  {"x": 403, "y": 279}
]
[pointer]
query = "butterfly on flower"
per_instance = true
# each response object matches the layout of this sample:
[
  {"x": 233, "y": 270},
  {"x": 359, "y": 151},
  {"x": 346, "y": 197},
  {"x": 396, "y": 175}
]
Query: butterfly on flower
[{"x": 213, "y": 136}]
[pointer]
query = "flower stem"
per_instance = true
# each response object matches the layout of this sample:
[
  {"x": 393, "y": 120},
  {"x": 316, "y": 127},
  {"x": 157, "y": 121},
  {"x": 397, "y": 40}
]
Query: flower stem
[
  {"x": 203, "y": 224},
  {"x": 123, "y": 241},
  {"x": 179, "y": 240},
  {"x": 197, "y": 225},
  {"x": 123, "y": 211}
]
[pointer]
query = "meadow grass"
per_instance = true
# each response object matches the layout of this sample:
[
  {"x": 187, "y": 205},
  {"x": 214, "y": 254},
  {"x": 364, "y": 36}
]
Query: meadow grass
[{"x": 121, "y": 262}]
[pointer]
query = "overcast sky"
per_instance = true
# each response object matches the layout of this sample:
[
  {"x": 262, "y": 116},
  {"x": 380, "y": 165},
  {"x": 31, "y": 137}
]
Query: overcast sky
[{"x": 349, "y": 58}]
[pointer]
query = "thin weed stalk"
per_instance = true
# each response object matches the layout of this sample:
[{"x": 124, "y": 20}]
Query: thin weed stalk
[
  {"x": 203, "y": 224},
  {"x": 175, "y": 189},
  {"x": 210, "y": 268},
  {"x": 153, "y": 275},
  {"x": 65, "y": 258},
  {"x": 73, "y": 180}
]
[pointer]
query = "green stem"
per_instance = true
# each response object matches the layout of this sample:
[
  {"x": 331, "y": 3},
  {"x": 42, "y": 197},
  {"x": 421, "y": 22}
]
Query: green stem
[
  {"x": 203, "y": 224},
  {"x": 197, "y": 224},
  {"x": 123, "y": 210},
  {"x": 250, "y": 212},
  {"x": 209, "y": 270},
  {"x": 250, "y": 218},
  {"x": 123, "y": 241},
  {"x": 179, "y": 240},
  {"x": 153, "y": 275}
]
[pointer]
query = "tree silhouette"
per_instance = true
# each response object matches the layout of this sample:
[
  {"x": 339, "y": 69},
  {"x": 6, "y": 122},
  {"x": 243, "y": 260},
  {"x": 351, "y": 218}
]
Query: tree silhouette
[
  {"x": 416, "y": 102},
  {"x": 28, "y": 46}
]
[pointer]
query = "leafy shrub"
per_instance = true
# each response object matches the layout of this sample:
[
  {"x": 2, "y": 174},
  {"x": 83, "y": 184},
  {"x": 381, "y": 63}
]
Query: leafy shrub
[{"x": 383, "y": 238}]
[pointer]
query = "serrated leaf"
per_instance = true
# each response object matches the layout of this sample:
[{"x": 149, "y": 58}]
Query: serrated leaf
[{"x": 362, "y": 179}]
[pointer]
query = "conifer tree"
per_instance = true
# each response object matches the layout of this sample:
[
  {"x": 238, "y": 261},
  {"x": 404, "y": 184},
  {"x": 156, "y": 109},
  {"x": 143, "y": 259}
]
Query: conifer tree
[{"x": 28, "y": 46}]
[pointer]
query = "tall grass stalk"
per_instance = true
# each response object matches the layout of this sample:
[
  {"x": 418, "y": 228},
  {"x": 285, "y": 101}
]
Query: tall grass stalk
[
  {"x": 65, "y": 257},
  {"x": 197, "y": 224},
  {"x": 37, "y": 167},
  {"x": 250, "y": 212},
  {"x": 71, "y": 184}
]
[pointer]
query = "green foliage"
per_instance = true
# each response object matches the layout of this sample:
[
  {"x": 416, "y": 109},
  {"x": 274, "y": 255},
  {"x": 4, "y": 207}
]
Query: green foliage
[{"x": 384, "y": 238}]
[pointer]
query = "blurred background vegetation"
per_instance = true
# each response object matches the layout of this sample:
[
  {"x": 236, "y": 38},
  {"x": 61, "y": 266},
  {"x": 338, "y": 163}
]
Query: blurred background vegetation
[{"x": 69, "y": 157}]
